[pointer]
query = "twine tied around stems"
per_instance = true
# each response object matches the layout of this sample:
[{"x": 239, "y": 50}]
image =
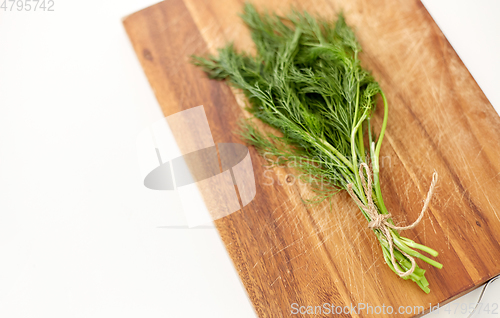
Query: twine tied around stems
[{"x": 379, "y": 221}]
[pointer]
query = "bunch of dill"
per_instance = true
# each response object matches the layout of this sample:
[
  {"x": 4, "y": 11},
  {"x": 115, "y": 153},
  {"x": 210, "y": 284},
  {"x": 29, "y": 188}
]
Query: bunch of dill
[{"x": 306, "y": 81}]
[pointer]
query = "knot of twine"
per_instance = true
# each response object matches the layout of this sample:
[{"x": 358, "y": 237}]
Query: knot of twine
[{"x": 379, "y": 221}]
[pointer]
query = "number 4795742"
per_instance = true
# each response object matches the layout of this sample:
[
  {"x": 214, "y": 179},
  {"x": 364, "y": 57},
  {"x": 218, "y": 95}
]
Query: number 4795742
[{"x": 27, "y": 5}]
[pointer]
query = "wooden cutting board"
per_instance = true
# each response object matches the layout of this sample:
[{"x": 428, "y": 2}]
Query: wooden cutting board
[{"x": 287, "y": 252}]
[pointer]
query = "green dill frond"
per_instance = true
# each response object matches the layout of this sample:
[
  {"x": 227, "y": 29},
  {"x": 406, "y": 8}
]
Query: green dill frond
[{"x": 307, "y": 82}]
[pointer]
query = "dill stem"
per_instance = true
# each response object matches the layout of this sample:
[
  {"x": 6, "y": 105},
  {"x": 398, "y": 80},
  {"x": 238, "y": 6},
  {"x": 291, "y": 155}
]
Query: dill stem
[
  {"x": 356, "y": 126},
  {"x": 376, "y": 156},
  {"x": 358, "y": 185},
  {"x": 355, "y": 123},
  {"x": 401, "y": 245},
  {"x": 401, "y": 262},
  {"x": 421, "y": 247},
  {"x": 337, "y": 153},
  {"x": 353, "y": 140},
  {"x": 384, "y": 126},
  {"x": 361, "y": 144}
]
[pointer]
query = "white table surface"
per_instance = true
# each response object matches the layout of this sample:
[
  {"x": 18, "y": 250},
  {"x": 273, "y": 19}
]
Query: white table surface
[{"x": 79, "y": 234}]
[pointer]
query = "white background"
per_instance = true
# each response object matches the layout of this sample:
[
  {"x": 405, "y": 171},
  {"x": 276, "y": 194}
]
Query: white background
[{"x": 79, "y": 234}]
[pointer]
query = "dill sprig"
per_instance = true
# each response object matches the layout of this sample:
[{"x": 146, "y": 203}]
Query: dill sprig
[{"x": 306, "y": 81}]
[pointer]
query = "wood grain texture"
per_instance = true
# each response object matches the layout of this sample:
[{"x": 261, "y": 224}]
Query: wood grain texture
[{"x": 286, "y": 252}]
